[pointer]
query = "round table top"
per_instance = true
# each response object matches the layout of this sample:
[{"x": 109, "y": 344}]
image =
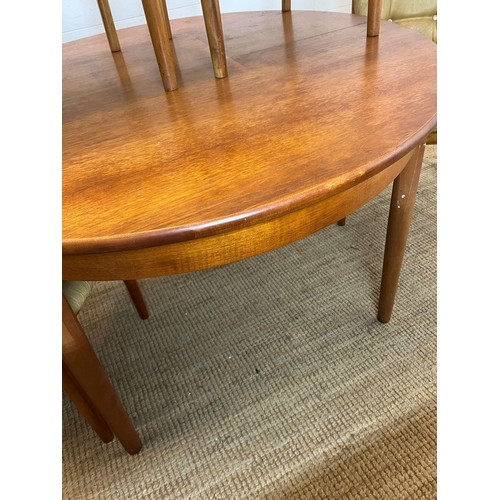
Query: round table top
[{"x": 311, "y": 107}]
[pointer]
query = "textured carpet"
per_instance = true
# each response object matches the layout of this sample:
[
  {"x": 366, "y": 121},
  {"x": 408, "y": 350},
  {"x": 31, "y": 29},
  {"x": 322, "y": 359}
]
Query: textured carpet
[{"x": 271, "y": 377}]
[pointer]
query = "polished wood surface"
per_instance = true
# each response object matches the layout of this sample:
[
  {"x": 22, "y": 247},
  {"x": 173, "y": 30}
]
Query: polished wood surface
[
  {"x": 218, "y": 249},
  {"x": 295, "y": 124}
]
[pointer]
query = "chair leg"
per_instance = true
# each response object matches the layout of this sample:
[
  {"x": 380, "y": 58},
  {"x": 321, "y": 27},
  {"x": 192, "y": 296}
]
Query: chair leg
[
  {"x": 165, "y": 13},
  {"x": 286, "y": 5},
  {"x": 84, "y": 406},
  {"x": 82, "y": 362},
  {"x": 215, "y": 35},
  {"x": 137, "y": 298},
  {"x": 373, "y": 21},
  {"x": 159, "y": 33},
  {"x": 109, "y": 25}
]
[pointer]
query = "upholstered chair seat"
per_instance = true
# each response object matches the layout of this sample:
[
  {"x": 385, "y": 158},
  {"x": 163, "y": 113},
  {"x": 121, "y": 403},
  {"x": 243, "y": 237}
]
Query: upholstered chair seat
[
  {"x": 77, "y": 292},
  {"x": 419, "y": 15}
]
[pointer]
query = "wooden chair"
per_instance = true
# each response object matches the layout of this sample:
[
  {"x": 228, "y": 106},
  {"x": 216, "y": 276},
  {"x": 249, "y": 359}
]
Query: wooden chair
[
  {"x": 83, "y": 377},
  {"x": 420, "y": 16},
  {"x": 373, "y": 12},
  {"x": 109, "y": 25},
  {"x": 373, "y": 29},
  {"x": 158, "y": 22}
]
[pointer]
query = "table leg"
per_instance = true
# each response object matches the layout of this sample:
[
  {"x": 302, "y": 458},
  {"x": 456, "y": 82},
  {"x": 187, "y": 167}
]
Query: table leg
[
  {"x": 84, "y": 406},
  {"x": 137, "y": 298},
  {"x": 403, "y": 199},
  {"x": 82, "y": 362},
  {"x": 159, "y": 33},
  {"x": 215, "y": 35},
  {"x": 373, "y": 21}
]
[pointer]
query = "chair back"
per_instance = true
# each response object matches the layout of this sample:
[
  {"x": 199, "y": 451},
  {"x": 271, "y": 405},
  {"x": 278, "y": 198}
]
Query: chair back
[{"x": 420, "y": 15}]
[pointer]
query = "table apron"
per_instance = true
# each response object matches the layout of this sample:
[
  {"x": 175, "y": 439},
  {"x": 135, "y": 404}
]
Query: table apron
[{"x": 212, "y": 251}]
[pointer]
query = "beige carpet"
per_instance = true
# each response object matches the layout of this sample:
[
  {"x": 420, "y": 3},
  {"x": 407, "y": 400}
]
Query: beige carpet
[{"x": 271, "y": 377}]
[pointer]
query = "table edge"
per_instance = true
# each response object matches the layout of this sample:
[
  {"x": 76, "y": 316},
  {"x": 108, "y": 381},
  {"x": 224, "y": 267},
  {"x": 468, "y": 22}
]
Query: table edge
[{"x": 275, "y": 210}]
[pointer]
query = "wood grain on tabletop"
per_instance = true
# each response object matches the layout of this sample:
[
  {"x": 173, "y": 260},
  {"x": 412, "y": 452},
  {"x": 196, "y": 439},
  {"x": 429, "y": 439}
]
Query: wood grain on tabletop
[{"x": 311, "y": 107}]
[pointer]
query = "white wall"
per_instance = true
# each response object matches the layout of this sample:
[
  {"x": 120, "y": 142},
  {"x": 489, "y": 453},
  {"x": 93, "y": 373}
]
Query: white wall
[{"x": 81, "y": 18}]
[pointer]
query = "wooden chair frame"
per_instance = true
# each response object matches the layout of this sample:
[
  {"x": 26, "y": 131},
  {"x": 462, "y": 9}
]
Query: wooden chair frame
[{"x": 86, "y": 383}]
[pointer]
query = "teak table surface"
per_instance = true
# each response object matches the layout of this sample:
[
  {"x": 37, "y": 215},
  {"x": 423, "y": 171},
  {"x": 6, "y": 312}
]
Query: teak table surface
[{"x": 314, "y": 120}]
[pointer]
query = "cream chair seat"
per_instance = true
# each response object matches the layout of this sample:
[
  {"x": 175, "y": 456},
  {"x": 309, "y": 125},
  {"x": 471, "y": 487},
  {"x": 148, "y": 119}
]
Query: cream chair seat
[{"x": 419, "y": 15}]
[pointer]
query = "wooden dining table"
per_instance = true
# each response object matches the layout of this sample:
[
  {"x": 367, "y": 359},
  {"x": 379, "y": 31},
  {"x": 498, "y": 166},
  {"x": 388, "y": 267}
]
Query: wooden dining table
[{"x": 314, "y": 120}]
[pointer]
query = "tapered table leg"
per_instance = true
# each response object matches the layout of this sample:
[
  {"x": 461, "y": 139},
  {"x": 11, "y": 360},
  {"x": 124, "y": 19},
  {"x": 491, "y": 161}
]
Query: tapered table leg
[
  {"x": 137, "y": 298},
  {"x": 403, "y": 199},
  {"x": 215, "y": 35},
  {"x": 159, "y": 33},
  {"x": 84, "y": 406},
  {"x": 82, "y": 362}
]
